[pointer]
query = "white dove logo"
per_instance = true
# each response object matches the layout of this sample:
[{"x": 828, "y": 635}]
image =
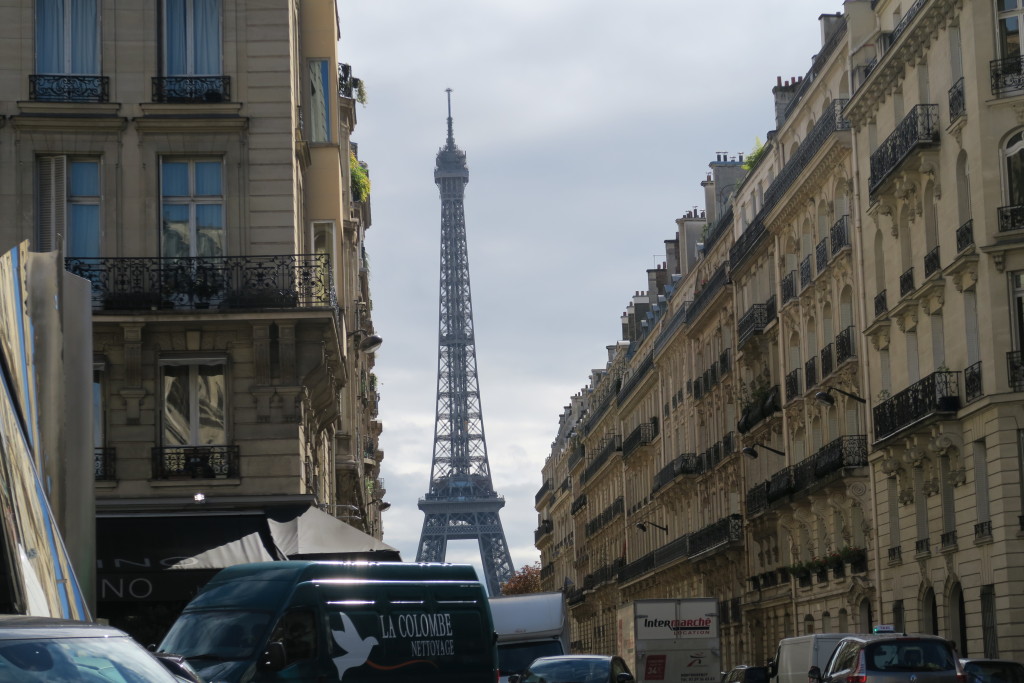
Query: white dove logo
[{"x": 357, "y": 649}]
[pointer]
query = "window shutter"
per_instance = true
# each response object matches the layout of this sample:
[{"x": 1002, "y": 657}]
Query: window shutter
[{"x": 52, "y": 202}]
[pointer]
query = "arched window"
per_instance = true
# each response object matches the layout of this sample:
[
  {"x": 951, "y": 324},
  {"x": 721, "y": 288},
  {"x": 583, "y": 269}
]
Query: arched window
[
  {"x": 929, "y": 613},
  {"x": 1013, "y": 153}
]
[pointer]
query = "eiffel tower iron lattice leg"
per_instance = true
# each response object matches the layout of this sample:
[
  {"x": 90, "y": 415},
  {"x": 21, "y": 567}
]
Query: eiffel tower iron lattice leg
[{"x": 461, "y": 503}]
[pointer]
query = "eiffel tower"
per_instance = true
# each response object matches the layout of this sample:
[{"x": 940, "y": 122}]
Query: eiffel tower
[{"x": 461, "y": 503}]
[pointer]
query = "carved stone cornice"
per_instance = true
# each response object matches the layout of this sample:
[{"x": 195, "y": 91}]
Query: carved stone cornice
[
  {"x": 878, "y": 333},
  {"x": 963, "y": 272},
  {"x": 905, "y": 314}
]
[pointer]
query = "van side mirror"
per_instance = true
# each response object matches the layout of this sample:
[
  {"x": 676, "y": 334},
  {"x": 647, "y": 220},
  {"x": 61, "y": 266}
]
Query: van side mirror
[
  {"x": 814, "y": 674},
  {"x": 273, "y": 658},
  {"x": 773, "y": 668}
]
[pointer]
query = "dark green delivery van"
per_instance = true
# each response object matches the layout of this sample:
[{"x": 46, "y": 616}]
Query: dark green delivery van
[{"x": 344, "y": 622}]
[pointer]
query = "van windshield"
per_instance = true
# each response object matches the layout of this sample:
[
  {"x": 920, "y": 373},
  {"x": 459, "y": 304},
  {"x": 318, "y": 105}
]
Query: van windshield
[{"x": 224, "y": 635}]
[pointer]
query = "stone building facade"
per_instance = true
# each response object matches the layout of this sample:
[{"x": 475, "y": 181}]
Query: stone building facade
[
  {"x": 193, "y": 161},
  {"x": 803, "y": 418}
]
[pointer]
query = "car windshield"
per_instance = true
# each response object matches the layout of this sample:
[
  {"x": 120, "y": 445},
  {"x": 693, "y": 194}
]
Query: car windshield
[
  {"x": 992, "y": 671},
  {"x": 515, "y": 657},
  {"x": 227, "y": 635},
  {"x": 71, "y": 660},
  {"x": 568, "y": 671},
  {"x": 909, "y": 655}
]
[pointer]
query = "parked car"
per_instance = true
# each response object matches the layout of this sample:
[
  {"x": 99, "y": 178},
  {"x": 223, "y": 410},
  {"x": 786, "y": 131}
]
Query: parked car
[
  {"x": 38, "y": 649},
  {"x": 993, "y": 671},
  {"x": 745, "y": 673},
  {"x": 891, "y": 658},
  {"x": 575, "y": 669}
]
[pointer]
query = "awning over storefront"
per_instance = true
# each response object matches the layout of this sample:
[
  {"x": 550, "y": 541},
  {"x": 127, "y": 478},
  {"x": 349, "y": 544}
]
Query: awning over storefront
[{"x": 170, "y": 556}]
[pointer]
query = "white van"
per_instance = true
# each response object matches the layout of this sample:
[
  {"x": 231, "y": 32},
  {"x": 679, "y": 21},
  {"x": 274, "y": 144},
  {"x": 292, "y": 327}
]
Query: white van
[
  {"x": 795, "y": 656},
  {"x": 528, "y": 626}
]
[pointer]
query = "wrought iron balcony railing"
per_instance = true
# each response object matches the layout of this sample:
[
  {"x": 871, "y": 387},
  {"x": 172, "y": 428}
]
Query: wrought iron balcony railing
[
  {"x": 826, "y": 361},
  {"x": 1015, "y": 370},
  {"x": 839, "y": 233},
  {"x": 757, "y": 499},
  {"x": 753, "y": 322},
  {"x": 805, "y": 272},
  {"x": 846, "y": 451},
  {"x": 195, "y": 462},
  {"x": 793, "y": 390},
  {"x": 845, "y": 346},
  {"x": 544, "y": 489},
  {"x": 895, "y": 554},
  {"x": 907, "y": 282},
  {"x": 226, "y": 282},
  {"x": 191, "y": 89},
  {"x": 821, "y": 255},
  {"x": 972, "y": 383},
  {"x": 720, "y": 227},
  {"x": 725, "y": 362},
  {"x": 545, "y": 528},
  {"x": 931, "y": 262},
  {"x": 103, "y": 463},
  {"x": 602, "y": 519},
  {"x": 610, "y": 444},
  {"x": 685, "y": 464},
  {"x": 780, "y": 485},
  {"x": 68, "y": 88},
  {"x": 578, "y": 504},
  {"x": 1006, "y": 75},
  {"x": 923, "y": 546},
  {"x": 788, "y": 286},
  {"x": 711, "y": 288},
  {"x": 577, "y": 455},
  {"x": 716, "y": 535},
  {"x": 643, "y": 435},
  {"x": 936, "y": 394},
  {"x": 881, "y": 305},
  {"x": 965, "y": 236},
  {"x": 957, "y": 106},
  {"x": 1011, "y": 218},
  {"x": 642, "y": 370},
  {"x": 810, "y": 373},
  {"x": 918, "y": 128},
  {"x": 746, "y": 243}
]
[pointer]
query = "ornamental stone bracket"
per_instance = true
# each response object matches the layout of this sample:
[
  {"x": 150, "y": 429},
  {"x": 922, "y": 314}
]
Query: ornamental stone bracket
[
  {"x": 932, "y": 296},
  {"x": 905, "y": 315},
  {"x": 879, "y": 334},
  {"x": 963, "y": 272}
]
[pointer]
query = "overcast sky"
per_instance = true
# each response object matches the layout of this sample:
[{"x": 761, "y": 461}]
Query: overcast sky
[{"x": 588, "y": 126}]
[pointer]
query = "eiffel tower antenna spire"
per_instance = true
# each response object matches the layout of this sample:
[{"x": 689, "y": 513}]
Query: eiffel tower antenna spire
[{"x": 461, "y": 503}]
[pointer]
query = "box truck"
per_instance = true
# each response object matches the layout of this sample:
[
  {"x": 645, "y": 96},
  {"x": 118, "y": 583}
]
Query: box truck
[
  {"x": 528, "y": 626},
  {"x": 671, "y": 640}
]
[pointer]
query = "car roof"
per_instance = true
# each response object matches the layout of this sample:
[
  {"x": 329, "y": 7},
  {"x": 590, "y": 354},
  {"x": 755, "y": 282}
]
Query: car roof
[
  {"x": 562, "y": 658},
  {"x": 17, "y": 626},
  {"x": 874, "y": 637}
]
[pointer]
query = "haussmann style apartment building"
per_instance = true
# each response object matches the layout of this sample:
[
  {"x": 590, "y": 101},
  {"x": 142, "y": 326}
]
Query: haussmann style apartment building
[
  {"x": 192, "y": 160},
  {"x": 816, "y": 411}
]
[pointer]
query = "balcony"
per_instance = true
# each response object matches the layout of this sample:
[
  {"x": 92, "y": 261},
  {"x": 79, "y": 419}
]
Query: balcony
[
  {"x": 725, "y": 362},
  {"x": 881, "y": 305},
  {"x": 781, "y": 485},
  {"x": 191, "y": 89},
  {"x": 919, "y": 128},
  {"x": 576, "y": 456},
  {"x": 544, "y": 490},
  {"x": 545, "y": 528},
  {"x": 103, "y": 463},
  {"x": 605, "y": 517},
  {"x": 1011, "y": 218},
  {"x": 192, "y": 283},
  {"x": 846, "y": 451},
  {"x": 839, "y": 233},
  {"x": 639, "y": 373},
  {"x": 964, "y": 236},
  {"x": 805, "y": 272},
  {"x": 756, "y": 319},
  {"x": 643, "y": 435},
  {"x": 788, "y": 287},
  {"x": 757, "y": 499},
  {"x": 972, "y": 383},
  {"x": 716, "y": 536},
  {"x": 1015, "y": 370},
  {"x": 578, "y": 504},
  {"x": 931, "y": 262},
  {"x": 610, "y": 444},
  {"x": 845, "y": 346},
  {"x": 810, "y": 373},
  {"x": 935, "y": 396},
  {"x": 793, "y": 389},
  {"x": 957, "y": 105},
  {"x": 706, "y": 295},
  {"x": 68, "y": 88},
  {"x": 688, "y": 463},
  {"x": 659, "y": 557},
  {"x": 195, "y": 462},
  {"x": 1006, "y": 75},
  {"x": 761, "y": 406},
  {"x": 826, "y": 361},
  {"x": 906, "y": 282},
  {"x": 746, "y": 243},
  {"x": 821, "y": 255}
]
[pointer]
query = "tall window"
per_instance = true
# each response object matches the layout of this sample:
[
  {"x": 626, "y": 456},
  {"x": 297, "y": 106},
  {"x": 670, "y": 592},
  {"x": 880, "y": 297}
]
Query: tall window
[
  {"x": 1010, "y": 14},
  {"x": 191, "y": 40},
  {"x": 1013, "y": 153},
  {"x": 319, "y": 99},
  {"x": 67, "y": 37},
  {"x": 194, "y": 404},
  {"x": 989, "y": 633},
  {"x": 69, "y": 206},
  {"x": 192, "y": 207}
]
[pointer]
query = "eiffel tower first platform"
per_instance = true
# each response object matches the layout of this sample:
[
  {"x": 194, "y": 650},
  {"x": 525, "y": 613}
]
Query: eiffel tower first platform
[{"x": 461, "y": 503}]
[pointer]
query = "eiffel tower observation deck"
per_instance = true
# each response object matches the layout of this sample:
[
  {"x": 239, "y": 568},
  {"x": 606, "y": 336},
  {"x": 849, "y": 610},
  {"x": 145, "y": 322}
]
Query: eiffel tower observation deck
[{"x": 461, "y": 503}]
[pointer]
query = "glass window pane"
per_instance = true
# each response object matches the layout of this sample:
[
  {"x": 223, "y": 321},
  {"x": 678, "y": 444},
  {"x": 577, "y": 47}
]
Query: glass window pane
[
  {"x": 1009, "y": 37},
  {"x": 174, "y": 179},
  {"x": 50, "y": 36},
  {"x": 1007, "y": 5},
  {"x": 175, "y": 31},
  {"x": 208, "y": 182},
  {"x": 83, "y": 38},
  {"x": 83, "y": 238},
  {"x": 210, "y": 397},
  {"x": 177, "y": 410},
  {"x": 206, "y": 37},
  {"x": 98, "y": 423},
  {"x": 175, "y": 239},
  {"x": 318, "y": 99},
  {"x": 209, "y": 230},
  {"x": 84, "y": 179}
]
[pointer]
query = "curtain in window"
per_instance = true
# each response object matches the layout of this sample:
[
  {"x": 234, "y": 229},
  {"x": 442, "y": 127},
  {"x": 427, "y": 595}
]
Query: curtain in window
[
  {"x": 319, "y": 114},
  {"x": 192, "y": 37},
  {"x": 1015, "y": 170},
  {"x": 67, "y": 40},
  {"x": 83, "y": 235}
]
